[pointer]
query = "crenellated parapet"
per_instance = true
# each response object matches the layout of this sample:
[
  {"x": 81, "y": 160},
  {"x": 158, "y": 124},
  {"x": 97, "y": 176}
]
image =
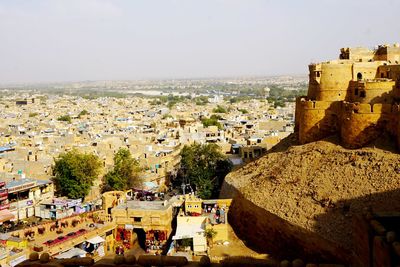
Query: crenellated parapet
[
  {"x": 317, "y": 119},
  {"x": 363, "y": 123},
  {"x": 357, "y": 97}
]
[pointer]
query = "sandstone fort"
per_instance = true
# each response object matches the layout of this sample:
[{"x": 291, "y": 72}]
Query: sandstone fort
[{"x": 356, "y": 96}]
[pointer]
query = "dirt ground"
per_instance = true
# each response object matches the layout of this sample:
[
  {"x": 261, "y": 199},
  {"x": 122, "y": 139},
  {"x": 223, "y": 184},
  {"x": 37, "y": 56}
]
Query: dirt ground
[
  {"x": 235, "y": 248},
  {"x": 321, "y": 186}
]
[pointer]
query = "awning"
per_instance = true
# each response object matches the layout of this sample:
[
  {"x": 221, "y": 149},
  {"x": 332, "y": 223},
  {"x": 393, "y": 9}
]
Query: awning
[
  {"x": 74, "y": 252},
  {"x": 96, "y": 240},
  {"x": 6, "y": 215},
  {"x": 187, "y": 231}
]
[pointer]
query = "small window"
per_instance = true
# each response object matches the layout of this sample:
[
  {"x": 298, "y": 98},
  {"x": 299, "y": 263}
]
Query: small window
[
  {"x": 362, "y": 94},
  {"x": 318, "y": 74},
  {"x": 356, "y": 91},
  {"x": 137, "y": 219},
  {"x": 359, "y": 76}
]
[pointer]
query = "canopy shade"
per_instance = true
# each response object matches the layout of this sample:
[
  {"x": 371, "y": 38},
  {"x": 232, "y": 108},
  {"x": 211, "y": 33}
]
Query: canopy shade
[
  {"x": 74, "y": 252},
  {"x": 96, "y": 240},
  {"x": 187, "y": 231},
  {"x": 6, "y": 215}
]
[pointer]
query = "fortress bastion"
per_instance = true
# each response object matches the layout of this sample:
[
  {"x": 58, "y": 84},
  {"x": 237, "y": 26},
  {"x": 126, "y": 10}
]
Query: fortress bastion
[{"x": 356, "y": 96}]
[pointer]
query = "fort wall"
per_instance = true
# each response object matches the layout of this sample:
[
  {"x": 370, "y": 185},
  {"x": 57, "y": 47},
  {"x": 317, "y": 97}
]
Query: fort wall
[
  {"x": 365, "y": 70},
  {"x": 363, "y": 123},
  {"x": 372, "y": 91},
  {"x": 318, "y": 119},
  {"x": 356, "y": 123},
  {"x": 356, "y": 97},
  {"x": 334, "y": 83}
]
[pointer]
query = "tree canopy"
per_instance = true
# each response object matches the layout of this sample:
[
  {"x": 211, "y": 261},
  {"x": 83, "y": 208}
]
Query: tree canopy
[
  {"x": 219, "y": 109},
  {"x": 74, "y": 173},
  {"x": 211, "y": 122},
  {"x": 205, "y": 166},
  {"x": 82, "y": 113},
  {"x": 125, "y": 174},
  {"x": 66, "y": 118}
]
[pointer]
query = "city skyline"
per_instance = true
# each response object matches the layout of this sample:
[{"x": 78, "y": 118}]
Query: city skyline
[{"x": 61, "y": 41}]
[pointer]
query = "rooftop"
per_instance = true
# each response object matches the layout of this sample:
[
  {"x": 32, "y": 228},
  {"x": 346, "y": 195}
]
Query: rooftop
[{"x": 144, "y": 205}]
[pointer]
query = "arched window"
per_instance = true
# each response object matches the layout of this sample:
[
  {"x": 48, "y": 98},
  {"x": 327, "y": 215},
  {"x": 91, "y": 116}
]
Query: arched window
[{"x": 359, "y": 76}]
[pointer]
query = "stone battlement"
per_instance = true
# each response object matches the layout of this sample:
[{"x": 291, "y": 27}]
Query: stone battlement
[
  {"x": 370, "y": 108},
  {"x": 357, "y": 97}
]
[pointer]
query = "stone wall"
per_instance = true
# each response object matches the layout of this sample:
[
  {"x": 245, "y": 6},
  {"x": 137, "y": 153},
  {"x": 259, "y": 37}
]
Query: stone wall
[
  {"x": 317, "y": 120},
  {"x": 266, "y": 232},
  {"x": 357, "y": 124}
]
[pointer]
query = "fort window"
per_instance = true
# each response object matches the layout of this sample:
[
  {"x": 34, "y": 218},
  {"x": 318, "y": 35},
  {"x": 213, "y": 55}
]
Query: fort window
[
  {"x": 359, "y": 76},
  {"x": 356, "y": 91},
  {"x": 362, "y": 94},
  {"x": 318, "y": 74},
  {"x": 137, "y": 219}
]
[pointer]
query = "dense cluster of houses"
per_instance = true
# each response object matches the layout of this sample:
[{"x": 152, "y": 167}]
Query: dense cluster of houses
[{"x": 35, "y": 129}]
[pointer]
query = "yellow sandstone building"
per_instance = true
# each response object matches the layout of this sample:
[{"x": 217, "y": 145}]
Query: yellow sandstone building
[{"x": 356, "y": 96}]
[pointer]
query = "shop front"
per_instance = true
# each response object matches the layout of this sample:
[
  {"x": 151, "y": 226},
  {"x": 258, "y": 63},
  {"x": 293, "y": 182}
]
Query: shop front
[
  {"x": 156, "y": 241},
  {"x": 123, "y": 236}
]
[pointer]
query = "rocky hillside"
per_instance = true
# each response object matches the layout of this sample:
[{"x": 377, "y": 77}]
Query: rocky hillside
[{"x": 302, "y": 200}]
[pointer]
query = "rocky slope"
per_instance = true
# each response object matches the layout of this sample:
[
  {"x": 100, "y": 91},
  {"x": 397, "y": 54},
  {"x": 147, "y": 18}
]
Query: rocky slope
[{"x": 302, "y": 200}]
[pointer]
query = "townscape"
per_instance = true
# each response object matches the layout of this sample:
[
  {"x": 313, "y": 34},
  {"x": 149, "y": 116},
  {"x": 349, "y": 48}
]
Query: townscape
[
  {"x": 37, "y": 128},
  {"x": 207, "y": 133}
]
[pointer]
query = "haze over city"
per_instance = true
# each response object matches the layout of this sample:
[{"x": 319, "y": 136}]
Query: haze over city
[
  {"x": 206, "y": 133},
  {"x": 43, "y": 41}
]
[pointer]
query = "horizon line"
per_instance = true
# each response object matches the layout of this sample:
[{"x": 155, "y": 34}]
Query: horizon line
[{"x": 227, "y": 77}]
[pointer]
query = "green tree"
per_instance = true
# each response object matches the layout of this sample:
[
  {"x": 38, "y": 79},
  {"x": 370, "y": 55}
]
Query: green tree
[
  {"x": 33, "y": 114},
  {"x": 66, "y": 118},
  {"x": 211, "y": 122},
  {"x": 125, "y": 173},
  {"x": 210, "y": 235},
  {"x": 74, "y": 173},
  {"x": 83, "y": 112},
  {"x": 219, "y": 109},
  {"x": 201, "y": 100},
  {"x": 201, "y": 165}
]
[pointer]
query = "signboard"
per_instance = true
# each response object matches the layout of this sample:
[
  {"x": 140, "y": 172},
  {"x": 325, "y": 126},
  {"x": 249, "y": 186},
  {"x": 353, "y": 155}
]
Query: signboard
[
  {"x": 60, "y": 202},
  {"x": 67, "y": 202},
  {"x": 21, "y": 187}
]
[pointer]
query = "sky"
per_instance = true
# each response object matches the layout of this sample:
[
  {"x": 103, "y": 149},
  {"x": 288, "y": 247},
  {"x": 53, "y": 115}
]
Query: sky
[{"x": 76, "y": 40}]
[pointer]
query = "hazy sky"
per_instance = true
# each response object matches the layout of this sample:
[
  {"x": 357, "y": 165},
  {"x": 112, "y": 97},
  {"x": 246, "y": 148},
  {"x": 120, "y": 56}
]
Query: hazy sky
[{"x": 71, "y": 40}]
